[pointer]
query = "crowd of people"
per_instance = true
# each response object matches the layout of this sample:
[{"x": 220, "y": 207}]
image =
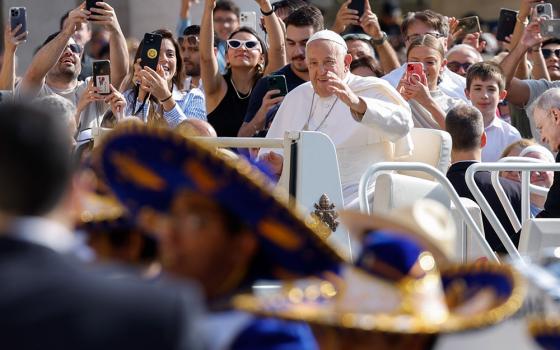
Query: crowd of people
[{"x": 192, "y": 227}]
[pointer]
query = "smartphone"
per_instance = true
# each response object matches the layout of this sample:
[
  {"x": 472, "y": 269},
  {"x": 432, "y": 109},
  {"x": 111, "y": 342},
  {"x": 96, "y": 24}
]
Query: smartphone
[
  {"x": 18, "y": 15},
  {"x": 91, "y": 4},
  {"x": 551, "y": 28},
  {"x": 150, "y": 50},
  {"x": 102, "y": 76},
  {"x": 469, "y": 25},
  {"x": 544, "y": 10},
  {"x": 248, "y": 19},
  {"x": 506, "y": 24},
  {"x": 358, "y": 5},
  {"x": 277, "y": 82},
  {"x": 414, "y": 68}
]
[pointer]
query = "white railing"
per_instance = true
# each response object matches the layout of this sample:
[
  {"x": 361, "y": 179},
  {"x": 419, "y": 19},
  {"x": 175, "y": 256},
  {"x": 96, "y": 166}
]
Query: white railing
[
  {"x": 439, "y": 177},
  {"x": 541, "y": 191},
  {"x": 525, "y": 198}
]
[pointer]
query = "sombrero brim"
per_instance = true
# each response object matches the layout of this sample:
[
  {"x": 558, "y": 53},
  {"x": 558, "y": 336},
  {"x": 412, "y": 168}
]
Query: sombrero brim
[
  {"x": 546, "y": 332},
  {"x": 501, "y": 280},
  {"x": 359, "y": 223},
  {"x": 146, "y": 167}
]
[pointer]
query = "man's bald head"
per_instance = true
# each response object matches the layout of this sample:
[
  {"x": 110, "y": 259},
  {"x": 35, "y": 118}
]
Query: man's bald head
[{"x": 196, "y": 127}]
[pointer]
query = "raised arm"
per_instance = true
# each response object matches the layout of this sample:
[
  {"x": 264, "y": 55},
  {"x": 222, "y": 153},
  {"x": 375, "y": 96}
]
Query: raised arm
[
  {"x": 106, "y": 16},
  {"x": 539, "y": 64},
  {"x": 387, "y": 55},
  {"x": 277, "y": 50},
  {"x": 184, "y": 17},
  {"x": 518, "y": 91},
  {"x": 209, "y": 71},
  {"x": 8, "y": 71},
  {"x": 49, "y": 54}
]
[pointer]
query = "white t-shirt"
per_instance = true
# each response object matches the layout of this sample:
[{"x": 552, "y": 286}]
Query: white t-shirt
[{"x": 499, "y": 135}]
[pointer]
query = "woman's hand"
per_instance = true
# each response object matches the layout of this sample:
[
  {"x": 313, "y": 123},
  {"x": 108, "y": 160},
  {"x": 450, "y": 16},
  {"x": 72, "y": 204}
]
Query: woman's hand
[
  {"x": 11, "y": 40},
  {"x": 345, "y": 17},
  {"x": 117, "y": 102},
  {"x": 154, "y": 82}
]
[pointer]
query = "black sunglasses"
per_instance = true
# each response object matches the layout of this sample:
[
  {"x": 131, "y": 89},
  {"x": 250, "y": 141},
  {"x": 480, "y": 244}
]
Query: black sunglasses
[
  {"x": 548, "y": 52},
  {"x": 75, "y": 48},
  {"x": 455, "y": 66}
]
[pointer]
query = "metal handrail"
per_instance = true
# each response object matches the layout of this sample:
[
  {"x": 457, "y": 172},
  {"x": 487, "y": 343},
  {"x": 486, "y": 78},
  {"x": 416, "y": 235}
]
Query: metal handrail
[
  {"x": 525, "y": 205},
  {"x": 438, "y": 176},
  {"x": 506, "y": 204}
]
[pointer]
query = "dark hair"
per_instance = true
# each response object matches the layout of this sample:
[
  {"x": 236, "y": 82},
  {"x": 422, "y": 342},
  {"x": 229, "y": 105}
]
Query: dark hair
[
  {"x": 35, "y": 160},
  {"x": 262, "y": 43},
  {"x": 431, "y": 18},
  {"x": 465, "y": 125},
  {"x": 192, "y": 30},
  {"x": 486, "y": 71},
  {"x": 227, "y": 5},
  {"x": 49, "y": 39},
  {"x": 551, "y": 41},
  {"x": 292, "y": 5},
  {"x": 367, "y": 62},
  {"x": 306, "y": 16}
]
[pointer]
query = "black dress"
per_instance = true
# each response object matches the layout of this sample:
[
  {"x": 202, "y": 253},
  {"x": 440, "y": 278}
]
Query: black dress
[{"x": 228, "y": 116}]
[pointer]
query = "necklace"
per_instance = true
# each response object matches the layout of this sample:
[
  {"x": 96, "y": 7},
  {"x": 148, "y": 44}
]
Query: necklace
[
  {"x": 306, "y": 126},
  {"x": 237, "y": 92}
]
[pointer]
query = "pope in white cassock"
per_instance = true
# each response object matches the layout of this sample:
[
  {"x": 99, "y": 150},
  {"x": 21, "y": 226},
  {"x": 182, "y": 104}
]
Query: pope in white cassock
[{"x": 366, "y": 118}]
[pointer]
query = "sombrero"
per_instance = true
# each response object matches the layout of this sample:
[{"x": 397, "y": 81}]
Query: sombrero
[
  {"x": 546, "y": 332},
  {"x": 146, "y": 167},
  {"x": 380, "y": 309}
]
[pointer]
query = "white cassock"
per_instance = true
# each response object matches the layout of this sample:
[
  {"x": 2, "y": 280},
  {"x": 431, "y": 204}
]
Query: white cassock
[{"x": 382, "y": 135}]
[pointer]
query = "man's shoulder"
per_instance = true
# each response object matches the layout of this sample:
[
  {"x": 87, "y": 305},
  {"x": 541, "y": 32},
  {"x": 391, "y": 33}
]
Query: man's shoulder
[{"x": 302, "y": 91}]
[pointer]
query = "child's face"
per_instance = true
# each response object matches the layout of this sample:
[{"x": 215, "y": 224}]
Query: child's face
[
  {"x": 485, "y": 95},
  {"x": 432, "y": 60}
]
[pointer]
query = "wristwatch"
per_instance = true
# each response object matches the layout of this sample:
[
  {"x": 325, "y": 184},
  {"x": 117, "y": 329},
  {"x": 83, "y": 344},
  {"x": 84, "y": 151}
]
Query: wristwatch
[{"x": 377, "y": 42}]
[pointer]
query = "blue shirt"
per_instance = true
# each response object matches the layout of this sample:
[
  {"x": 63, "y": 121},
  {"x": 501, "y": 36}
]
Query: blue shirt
[
  {"x": 188, "y": 105},
  {"x": 292, "y": 81}
]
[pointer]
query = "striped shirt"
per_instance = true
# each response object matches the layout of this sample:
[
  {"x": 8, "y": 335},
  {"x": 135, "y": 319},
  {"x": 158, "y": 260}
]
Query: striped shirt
[{"x": 188, "y": 105}]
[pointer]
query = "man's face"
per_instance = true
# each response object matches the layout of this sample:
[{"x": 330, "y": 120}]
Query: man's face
[
  {"x": 296, "y": 39},
  {"x": 419, "y": 28},
  {"x": 191, "y": 55},
  {"x": 552, "y": 60},
  {"x": 225, "y": 22},
  {"x": 325, "y": 58},
  {"x": 548, "y": 124},
  {"x": 69, "y": 64},
  {"x": 196, "y": 243},
  {"x": 358, "y": 49},
  {"x": 460, "y": 60},
  {"x": 485, "y": 96}
]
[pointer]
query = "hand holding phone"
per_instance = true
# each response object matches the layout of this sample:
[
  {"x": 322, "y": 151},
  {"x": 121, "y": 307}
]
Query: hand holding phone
[
  {"x": 102, "y": 76},
  {"x": 469, "y": 25},
  {"x": 544, "y": 10},
  {"x": 277, "y": 82},
  {"x": 18, "y": 16},
  {"x": 414, "y": 70},
  {"x": 150, "y": 50},
  {"x": 506, "y": 24}
]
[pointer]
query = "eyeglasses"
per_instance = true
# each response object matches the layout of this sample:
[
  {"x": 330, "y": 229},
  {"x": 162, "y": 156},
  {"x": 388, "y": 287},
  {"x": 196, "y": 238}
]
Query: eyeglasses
[
  {"x": 192, "y": 40},
  {"x": 454, "y": 66},
  {"x": 417, "y": 36},
  {"x": 248, "y": 44},
  {"x": 75, "y": 48},
  {"x": 229, "y": 21},
  {"x": 548, "y": 52}
]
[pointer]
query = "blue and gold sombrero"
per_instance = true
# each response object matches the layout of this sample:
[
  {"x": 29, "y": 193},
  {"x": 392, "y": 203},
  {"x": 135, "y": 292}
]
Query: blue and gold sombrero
[
  {"x": 146, "y": 167},
  {"x": 364, "y": 302},
  {"x": 546, "y": 332}
]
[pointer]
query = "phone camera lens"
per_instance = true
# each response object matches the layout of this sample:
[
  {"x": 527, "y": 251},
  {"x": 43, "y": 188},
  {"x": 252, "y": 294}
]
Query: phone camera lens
[{"x": 15, "y": 12}]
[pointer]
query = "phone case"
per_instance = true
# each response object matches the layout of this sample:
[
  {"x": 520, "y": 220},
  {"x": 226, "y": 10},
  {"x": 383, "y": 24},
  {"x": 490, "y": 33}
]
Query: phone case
[
  {"x": 150, "y": 50},
  {"x": 469, "y": 25},
  {"x": 18, "y": 15},
  {"x": 248, "y": 19},
  {"x": 102, "y": 76},
  {"x": 544, "y": 10},
  {"x": 277, "y": 82},
  {"x": 413, "y": 68},
  {"x": 551, "y": 27},
  {"x": 91, "y": 3},
  {"x": 358, "y": 5},
  {"x": 506, "y": 24}
]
